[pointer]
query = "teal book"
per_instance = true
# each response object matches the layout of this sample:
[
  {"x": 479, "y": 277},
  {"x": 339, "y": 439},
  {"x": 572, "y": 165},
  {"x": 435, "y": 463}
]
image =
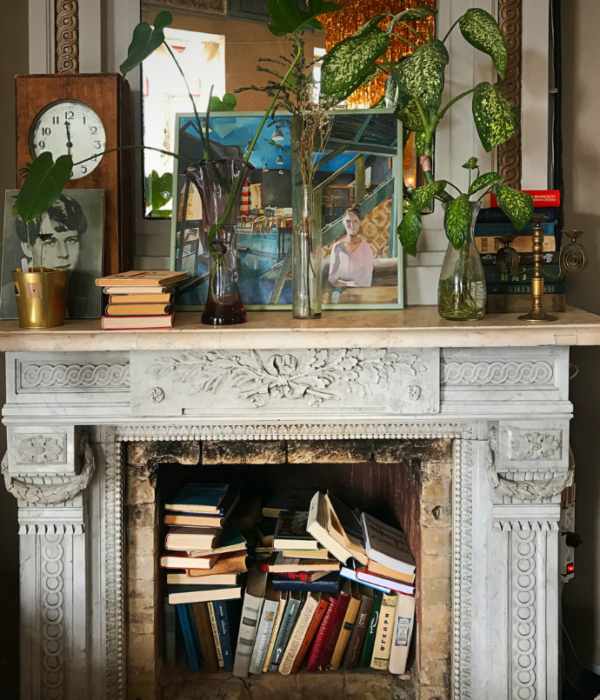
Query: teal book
[
  {"x": 494, "y": 276},
  {"x": 507, "y": 229},
  {"x": 190, "y": 637},
  {"x": 369, "y": 643},
  {"x": 230, "y": 541},
  {"x": 199, "y": 498}
]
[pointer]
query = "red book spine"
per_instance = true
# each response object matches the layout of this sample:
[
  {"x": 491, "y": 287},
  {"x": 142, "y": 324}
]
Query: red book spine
[
  {"x": 334, "y": 633},
  {"x": 304, "y": 576},
  {"x": 322, "y": 634},
  {"x": 541, "y": 198}
]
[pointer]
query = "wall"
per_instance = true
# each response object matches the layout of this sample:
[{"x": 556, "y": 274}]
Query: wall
[
  {"x": 581, "y": 129},
  {"x": 13, "y": 59}
]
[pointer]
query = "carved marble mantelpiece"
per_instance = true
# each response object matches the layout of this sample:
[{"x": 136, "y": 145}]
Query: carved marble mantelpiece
[{"x": 506, "y": 408}]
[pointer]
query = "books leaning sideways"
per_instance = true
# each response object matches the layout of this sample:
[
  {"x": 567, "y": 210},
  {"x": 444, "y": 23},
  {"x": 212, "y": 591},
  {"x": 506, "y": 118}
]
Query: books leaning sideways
[{"x": 139, "y": 299}]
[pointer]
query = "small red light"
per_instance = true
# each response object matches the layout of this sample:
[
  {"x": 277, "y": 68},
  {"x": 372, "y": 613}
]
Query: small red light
[{"x": 570, "y": 568}]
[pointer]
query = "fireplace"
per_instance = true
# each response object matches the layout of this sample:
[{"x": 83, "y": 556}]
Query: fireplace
[{"x": 466, "y": 447}]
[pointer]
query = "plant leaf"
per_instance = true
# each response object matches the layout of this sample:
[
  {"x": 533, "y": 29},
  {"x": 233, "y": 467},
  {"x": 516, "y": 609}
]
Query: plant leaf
[
  {"x": 518, "y": 206},
  {"x": 405, "y": 108},
  {"x": 288, "y": 18},
  {"x": 497, "y": 120},
  {"x": 421, "y": 75},
  {"x": 410, "y": 230},
  {"x": 457, "y": 220},
  {"x": 423, "y": 196},
  {"x": 351, "y": 61},
  {"x": 483, "y": 181},
  {"x": 145, "y": 40},
  {"x": 420, "y": 142},
  {"x": 162, "y": 191},
  {"x": 43, "y": 185},
  {"x": 419, "y": 12},
  {"x": 481, "y": 30},
  {"x": 227, "y": 104},
  {"x": 471, "y": 164}
]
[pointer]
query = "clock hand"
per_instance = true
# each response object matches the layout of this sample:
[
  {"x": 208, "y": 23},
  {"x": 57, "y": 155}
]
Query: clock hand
[{"x": 69, "y": 144}]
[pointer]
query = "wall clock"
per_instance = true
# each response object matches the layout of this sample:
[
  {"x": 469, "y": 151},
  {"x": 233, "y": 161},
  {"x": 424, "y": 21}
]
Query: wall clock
[{"x": 82, "y": 115}]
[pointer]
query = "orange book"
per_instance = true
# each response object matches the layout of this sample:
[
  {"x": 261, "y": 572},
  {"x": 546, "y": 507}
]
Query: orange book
[
  {"x": 139, "y": 298},
  {"x": 137, "y": 323},
  {"x": 151, "y": 278},
  {"x": 137, "y": 309},
  {"x": 310, "y": 632}
]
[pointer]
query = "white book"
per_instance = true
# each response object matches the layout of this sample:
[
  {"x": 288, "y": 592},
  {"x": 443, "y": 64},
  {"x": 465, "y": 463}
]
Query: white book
[
  {"x": 253, "y": 602},
  {"x": 215, "y": 630},
  {"x": 275, "y": 630},
  {"x": 216, "y": 580},
  {"x": 385, "y": 629},
  {"x": 188, "y": 538},
  {"x": 403, "y": 630},
  {"x": 387, "y": 545},
  {"x": 299, "y": 632},
  {"x": 203, "y": 595},
  {"x": 265, "y": 627},
  {"x": 318, "y": 527}
]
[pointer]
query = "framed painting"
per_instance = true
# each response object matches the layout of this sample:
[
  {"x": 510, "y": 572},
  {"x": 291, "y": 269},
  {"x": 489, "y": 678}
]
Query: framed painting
[{"x": 358, "y": 198}]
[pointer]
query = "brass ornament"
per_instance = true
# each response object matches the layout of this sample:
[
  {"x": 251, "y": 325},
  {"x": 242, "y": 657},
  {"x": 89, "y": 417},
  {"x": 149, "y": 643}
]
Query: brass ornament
[
  {"x": 67, "y": 36},
  {"x": 537, "y": 313},
  {"x": 507, "y": 258},
  {"x": 574, "y": 256}
]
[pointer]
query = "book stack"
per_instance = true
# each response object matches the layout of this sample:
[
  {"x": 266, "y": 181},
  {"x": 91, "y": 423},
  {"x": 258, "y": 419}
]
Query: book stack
[
  {"x": 138, "y": 300},
  {"x": 205, "y": 555},
  {"x": 512, "y": 293}
]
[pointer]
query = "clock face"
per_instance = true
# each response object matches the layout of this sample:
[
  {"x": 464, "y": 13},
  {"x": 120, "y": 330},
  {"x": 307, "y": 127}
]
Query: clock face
[{"x": 70, "y": 128}]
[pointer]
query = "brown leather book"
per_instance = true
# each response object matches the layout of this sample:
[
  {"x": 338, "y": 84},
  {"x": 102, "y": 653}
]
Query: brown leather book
[
  {"x": 359, "y": 631},
  {"x": 206, "y": 638}
]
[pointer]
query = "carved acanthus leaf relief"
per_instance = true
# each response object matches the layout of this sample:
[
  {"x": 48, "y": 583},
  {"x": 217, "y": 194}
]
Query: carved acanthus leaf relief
[
  {"x": 34, "y": 377},
  {"x": 496, "y": 373},
  {"x": 39, "y": 449},
  {"x": 318, "y": 376},
  {"x": 67, "y": 36},
  {"x": 534, "y": 445},
  {"x": 57, "y": 489}
]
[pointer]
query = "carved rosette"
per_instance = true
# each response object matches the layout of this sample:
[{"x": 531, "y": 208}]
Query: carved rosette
[{"x": 67, "y": 36}]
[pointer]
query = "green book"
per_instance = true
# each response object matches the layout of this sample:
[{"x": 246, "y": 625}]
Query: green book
[
  {"x": 367, "y": 650},
  {"x": 494, "y": 276}
]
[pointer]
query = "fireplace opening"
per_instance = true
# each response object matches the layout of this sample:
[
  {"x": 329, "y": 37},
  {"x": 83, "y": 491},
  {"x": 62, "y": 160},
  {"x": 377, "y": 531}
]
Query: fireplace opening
[{"x": 404, "y": 483}]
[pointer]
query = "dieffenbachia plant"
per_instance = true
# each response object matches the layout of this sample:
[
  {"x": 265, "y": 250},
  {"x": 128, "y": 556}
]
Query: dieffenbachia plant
[
  {"x": 46, "y": 178},
  {"x": 414, "y": 89}
]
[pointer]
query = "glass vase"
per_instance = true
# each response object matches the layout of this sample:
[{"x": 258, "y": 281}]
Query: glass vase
[
  {"x": 461, "y": 290},
  {"x": 307, "y": 254},
  {"x": 215, "y": 180}
]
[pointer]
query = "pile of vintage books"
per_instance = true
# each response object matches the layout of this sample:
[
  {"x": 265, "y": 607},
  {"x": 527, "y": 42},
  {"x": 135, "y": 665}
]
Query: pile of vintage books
[{"x": 326, "y": 585}]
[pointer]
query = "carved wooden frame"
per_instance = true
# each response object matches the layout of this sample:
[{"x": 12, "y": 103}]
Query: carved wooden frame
[{"x": 67, "y": 36}]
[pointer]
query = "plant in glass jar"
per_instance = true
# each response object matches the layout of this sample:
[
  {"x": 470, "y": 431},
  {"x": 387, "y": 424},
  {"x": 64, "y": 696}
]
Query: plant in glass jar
[{"x": 414, "y": 89}]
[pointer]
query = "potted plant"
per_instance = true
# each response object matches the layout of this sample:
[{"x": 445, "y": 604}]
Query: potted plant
[{"x": 414, "y": 89}]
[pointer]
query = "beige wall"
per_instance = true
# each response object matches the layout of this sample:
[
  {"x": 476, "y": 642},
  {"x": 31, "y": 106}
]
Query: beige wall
[{"x": 581, "y": 128}]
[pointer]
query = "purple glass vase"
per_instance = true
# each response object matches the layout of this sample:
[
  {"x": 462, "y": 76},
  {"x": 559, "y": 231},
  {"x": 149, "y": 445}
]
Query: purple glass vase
[{"x": 215, "y": 180}]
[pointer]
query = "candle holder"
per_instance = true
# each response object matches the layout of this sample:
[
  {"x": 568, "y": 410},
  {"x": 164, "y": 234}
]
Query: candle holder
[{"x": 537, "y": 313}]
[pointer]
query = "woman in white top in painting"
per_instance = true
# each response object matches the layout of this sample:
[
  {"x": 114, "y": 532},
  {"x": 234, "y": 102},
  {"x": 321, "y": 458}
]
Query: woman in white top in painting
[{"x": 351, "y": 262}]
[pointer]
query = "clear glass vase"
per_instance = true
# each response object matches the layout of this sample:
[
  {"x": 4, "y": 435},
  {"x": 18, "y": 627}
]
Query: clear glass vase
[
  {"x": 307, "y": 254},
  {"x": 215, "y": 180},
  {"x": 461, "y": 290}
]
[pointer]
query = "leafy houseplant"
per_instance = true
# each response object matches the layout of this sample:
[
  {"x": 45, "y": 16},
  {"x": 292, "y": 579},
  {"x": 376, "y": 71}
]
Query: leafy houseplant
[{"x": 414, "y": 89}]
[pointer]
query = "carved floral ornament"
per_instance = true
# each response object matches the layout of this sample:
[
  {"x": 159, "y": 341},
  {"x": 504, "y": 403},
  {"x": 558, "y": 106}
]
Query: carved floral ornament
[{"x": 309, "y": 378}]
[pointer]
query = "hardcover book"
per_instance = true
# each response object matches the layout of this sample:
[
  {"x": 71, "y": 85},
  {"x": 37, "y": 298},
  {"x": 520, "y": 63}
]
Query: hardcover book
[
  {"x": 215, "y": 632},
  {"x": 522, "y": 244},
  {"x": 217, "y": 519},
  {"x": 228, "y": 615},
  {"x": 352, "y": 575},
  {"x": 291, "y": 533},
  {"x": 265, "y": 627},
  {"x": 387, "y": 545},
  {"x": 311, "y": 632},
  {"x": 497, "y": 216},
  {"x": 275, "y": 631},
  {"x": 194, "y": 632},
  {"x": 367, "y": 649},
  {"x": 493, "y": 275},
  {"x": 385, "y": 628},
  {"x": 498, "y": 229},
  {"x": 137, "y": 278},
  {"x": 289, "y": 499},
  {"x": 137, "y": 323},
  {"x": 182, "y": 560},
  {"x": 541, "y": 198},
  {"x": 336, "y": 627},
  {"x": 403, "y": 630},
  {"x": 299, "y": 632},
  {"x": 365, "y": 576},
  {"x": 253, "y": 602},
  {"x": 549, "y": 288},
  {"x": 182, "y": 579},
  {"x": 292, "y": 609},
  {"x": 378, "y": 569},
  {"x": 188, "y": 639},
  {"x": 525, "y": 259},
  {"x": 285, "y": 565},
  {"x": 137, "y": 309},
  {"x": 199, "y": 498},
  {"x": 205, "y": 636},
  {"x": 227, "y": 564},
  {"x": 322, "y": 634},
  {"x": 198, "y": 594},
  {"x": 230, "y": 541},
  {"x": 359, "y": 631},
  {"x": 346, "y": 629},
  {"x": 187, "y": 538},
  {"x": 170, "y": 633},
  {"x": 328, "y": 584}
]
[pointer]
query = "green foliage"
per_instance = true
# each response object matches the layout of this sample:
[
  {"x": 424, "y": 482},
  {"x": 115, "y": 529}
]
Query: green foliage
[
  {"x": 421, "y": 76},
  {"x": 227, "y": 104},
  {"x": 410, "y": 227},
  {"x": 288, "y": 18},
  {"x": 471, "y": 164},
  {"x": 484, "y": 181},
  {"x": 518, "y": 206},
  {"x": 457, "y": 220},
  {"x": 161, "y": 192},
  {"x": 496, "y": 119},
  {"x": 43, "y": 186},
  {"x": 405, "y": 108},
  {"x": 420, "y": 12},
  {"x": 420, "y": 142},
  {"x": 481, "y": 30},
  {"x": 145, "y": 40}
]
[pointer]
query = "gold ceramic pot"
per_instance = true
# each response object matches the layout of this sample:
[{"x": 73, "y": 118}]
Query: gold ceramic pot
[{"x": 41, "y": 296}]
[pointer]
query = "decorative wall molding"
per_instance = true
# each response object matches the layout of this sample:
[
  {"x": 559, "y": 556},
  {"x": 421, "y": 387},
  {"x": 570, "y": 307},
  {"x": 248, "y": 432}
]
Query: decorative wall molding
[
  {"x": 497, "y": 373},
  {"x": 53, "y": 628},
  {"x": 511, "y": 24},
  {"x": 57, "y": 378},
  {"x": 535, "y": 445},
  {"x": 67, "y": 36},
  {"x": 40, "y": 449}
]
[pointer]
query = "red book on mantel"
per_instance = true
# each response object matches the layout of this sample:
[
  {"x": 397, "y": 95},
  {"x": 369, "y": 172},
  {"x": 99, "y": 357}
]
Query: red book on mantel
[
  {"x": 336, "y": 628},
  {"x": 322, "y": 634},
  {"x": 137, "y": 323},
  {"x": 541, "y": 198}
]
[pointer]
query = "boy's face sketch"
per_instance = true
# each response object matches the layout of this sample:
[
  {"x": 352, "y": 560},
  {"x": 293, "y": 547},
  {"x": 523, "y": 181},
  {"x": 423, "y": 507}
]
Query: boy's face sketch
[{"x": 59, "y": 249}]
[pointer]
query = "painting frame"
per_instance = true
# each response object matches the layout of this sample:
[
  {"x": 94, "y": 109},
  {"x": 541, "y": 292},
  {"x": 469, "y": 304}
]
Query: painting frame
[{"x": 395, "y": 250}]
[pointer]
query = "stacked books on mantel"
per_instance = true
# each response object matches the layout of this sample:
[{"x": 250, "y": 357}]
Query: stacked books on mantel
[
  {"x": 512, "y": 293},
  {"x": 139, "y": 299},
  {"x": 328, "y": 588}
]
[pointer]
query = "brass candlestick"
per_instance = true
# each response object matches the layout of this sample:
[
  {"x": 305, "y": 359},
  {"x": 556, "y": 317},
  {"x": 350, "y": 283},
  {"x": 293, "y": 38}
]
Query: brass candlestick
[{"x": 537, "y": 313}]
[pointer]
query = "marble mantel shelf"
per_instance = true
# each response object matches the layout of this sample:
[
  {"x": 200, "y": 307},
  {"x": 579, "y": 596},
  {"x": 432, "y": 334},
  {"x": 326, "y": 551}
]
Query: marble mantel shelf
[{"x": 412, "y": 327}]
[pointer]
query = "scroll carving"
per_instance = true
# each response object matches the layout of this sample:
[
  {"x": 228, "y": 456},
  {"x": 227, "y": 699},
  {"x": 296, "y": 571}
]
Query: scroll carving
[
  {"x": 67, "y": 36},
  {"x": 511, "y": 24}
]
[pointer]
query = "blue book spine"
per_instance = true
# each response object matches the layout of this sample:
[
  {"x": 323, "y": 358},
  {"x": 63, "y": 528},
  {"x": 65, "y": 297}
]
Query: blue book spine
[
  {"x": 188, "y": 639},
  {"x": 285, "y": 631},
  {"x": 224, "y": 634},
  {"x": 195, "y": 636},
  {"x": 496, "y": 230},
  {"x": 328, "y": 584},
  {"x": 495, "y": 215},
  {"x": 170, "y": 631}
]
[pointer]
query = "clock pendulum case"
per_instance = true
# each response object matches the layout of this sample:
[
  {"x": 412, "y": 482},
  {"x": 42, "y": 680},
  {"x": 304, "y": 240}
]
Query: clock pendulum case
[{"x": 83, "y": 114}]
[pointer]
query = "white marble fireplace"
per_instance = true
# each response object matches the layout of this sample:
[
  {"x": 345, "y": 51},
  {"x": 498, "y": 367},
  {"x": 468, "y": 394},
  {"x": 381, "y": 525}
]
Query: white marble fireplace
[{"x": 498, "y": 390}]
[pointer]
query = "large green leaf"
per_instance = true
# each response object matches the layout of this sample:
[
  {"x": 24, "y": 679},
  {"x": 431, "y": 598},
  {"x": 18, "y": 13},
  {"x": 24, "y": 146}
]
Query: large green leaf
[
  {"x": 497, "y": 120},
  {"x": 145, "y": 40},
  {"x": 410, "y": 227},
  {"x": 483, "y": 181},
  {"x": 370, "y": 25},
  {"x": 421, "y": 75},
  {"x": 288, "y": 18},
  {"x": 457, "y": 220},
  {"x": 405, "y": 108},
  {"x": 420, "y": 12},
  {"x": 481, "y": 30},
  {"x": 43, "y": 185},
  {"x": 518, "y": 206},
  {"x": 423, "y": 196},
  {"x": 352, "y": 60}
]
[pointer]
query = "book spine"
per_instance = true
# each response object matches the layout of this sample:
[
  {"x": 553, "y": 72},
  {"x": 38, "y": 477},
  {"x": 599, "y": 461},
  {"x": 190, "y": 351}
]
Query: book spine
[
  {"x": 215, "y": 631},
  {"x": 402, "y": 633},
  {"x": 550, "y": 288},
  {"x": 263, "y": 635},
  {"x": 247, "y": 635},
  {"x": 552, "y": 258},
  {"x": 188, "y": 639},
  {"x": 310, "y": 634},
  {"x": 497, "y": 230},
  {"x": 298, "y": 634},
  {"x": 522, "y": 244},
  {"x": 205, "y": 637},
  {"x": 336, "y": 627},
  {"x": 521, "y": 303},
  {"x": 224, "y": 634},
  {"x": 285, "y": 631},
  {"x": 385, "y": 628},
  {"x": 494, "y": 276},
  {"x": 303, "y": 576},
  {"x": 497, "y": 216},
  {"x": 541, "y": 198},
  {"x": 345, "y": 633},
  {"x": 322, "y": 635},
  {"x": 359, "y": 633},
  {"x": 170, "y": 633},
  {"x": 367, "y": 649},
  {"x": 275, "y": 631}
]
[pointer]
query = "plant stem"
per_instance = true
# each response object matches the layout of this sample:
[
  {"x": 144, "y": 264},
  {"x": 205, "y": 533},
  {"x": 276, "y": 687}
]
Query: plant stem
[
  {"x": 399, "y": 36},
  {"x": 453, "y": 102},
  {"x": 455, "y": 187},
  {"x": 129, "y": 148},
  {"x": 414, "y": 31},
  {"x": 429, "y": 34},
  {"x": 450, "y": 30}
]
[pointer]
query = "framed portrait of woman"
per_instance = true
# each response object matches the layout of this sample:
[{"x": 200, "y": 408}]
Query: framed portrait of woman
[{"x": 358, "y": 205}]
